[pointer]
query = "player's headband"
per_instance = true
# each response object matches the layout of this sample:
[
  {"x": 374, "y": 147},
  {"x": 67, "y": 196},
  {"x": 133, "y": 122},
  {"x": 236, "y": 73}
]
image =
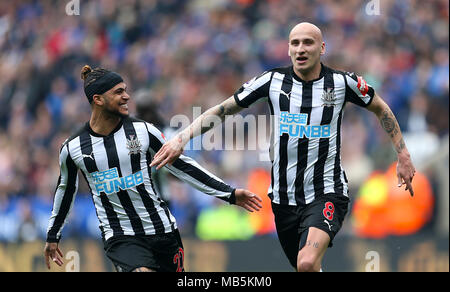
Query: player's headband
[{"x": 102, "y": 85}]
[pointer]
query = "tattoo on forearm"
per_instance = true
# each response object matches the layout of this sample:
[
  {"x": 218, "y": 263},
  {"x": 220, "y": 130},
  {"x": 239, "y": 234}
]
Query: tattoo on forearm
[
  {"x": 202, "y": 125},
  {"x": 224, "y": 111},
  {"x": 221, "y": 110},
  {"x": 389, "y": 123},
  {"x": 207, "y": 128},
  {"x": 400, "y": 146}
]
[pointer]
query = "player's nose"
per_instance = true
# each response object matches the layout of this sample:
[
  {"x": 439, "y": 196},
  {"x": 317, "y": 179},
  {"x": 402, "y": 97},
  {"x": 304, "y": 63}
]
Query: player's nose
[{"x": 300, "y": 50}]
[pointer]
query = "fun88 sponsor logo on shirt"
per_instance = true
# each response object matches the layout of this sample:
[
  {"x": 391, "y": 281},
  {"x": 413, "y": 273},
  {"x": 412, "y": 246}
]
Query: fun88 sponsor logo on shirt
[
  {"x": 295, "y": 125},
  {"x": 109, "y": 182}
]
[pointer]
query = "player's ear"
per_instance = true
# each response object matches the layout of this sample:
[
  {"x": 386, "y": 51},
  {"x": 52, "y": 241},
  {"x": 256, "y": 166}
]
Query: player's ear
[
  {"x": 97, "y": 99},
  {"x": 322, "y": 49}
]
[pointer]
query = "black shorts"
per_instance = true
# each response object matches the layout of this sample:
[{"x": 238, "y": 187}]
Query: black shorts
[
  {"x": 325, "y": 213},
  {"x": 162, "y": 252}
]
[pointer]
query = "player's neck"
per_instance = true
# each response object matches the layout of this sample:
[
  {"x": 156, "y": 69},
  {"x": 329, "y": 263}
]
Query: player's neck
[
  {"x": 309, "y": 75},
  {"x": 103, "y": 123}
]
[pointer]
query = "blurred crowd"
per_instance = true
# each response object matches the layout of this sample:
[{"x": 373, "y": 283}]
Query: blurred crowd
[{"x": 197, "y": 53}]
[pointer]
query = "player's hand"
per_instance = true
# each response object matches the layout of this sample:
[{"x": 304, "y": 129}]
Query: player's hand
[
  {"x": 168, "y": 153},
  {"x": 405, "y": 172},
  {"x": 52, "y": 252},
  {"x": 247, "y": 200}
]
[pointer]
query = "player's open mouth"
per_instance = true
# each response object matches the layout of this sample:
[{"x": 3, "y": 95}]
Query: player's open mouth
[
  {"x": 301, "y": 60},
  {"x": 125, "y": 106}
]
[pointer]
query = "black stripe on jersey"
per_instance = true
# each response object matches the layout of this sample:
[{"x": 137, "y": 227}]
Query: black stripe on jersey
[
  {"x": 67, "y": 198},
  {"x": 135, "y": 167},
  {"x": 324, "y": 143},
  {"x": 302, "y": 147},
  {"x": 272, "y": 113},
  {"x": 272, "y": 183},
  {"x": 86, "y": 148},
  {"x": 199, "y": 175},
  {"x": 338, "y": 185},
  {"x": 284, "y": 101},
  {"x": 91, "y": 167},
  {"x": 262, "y": 91},
  {"x": 113, "y": 161}
]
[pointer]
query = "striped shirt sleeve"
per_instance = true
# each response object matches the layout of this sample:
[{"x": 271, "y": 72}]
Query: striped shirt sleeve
[
  {"x": 357, "y": 90},
  {"x": 189, "y": 171},
  {"x": 64, "y": 195},
  {"x": 253, "y": 90}
]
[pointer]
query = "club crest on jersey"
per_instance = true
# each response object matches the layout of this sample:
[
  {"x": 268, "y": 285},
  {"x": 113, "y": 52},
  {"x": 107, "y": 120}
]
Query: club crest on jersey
[
  {"x": 134, "y": 145},
  {"x": 328, "y": 97}
]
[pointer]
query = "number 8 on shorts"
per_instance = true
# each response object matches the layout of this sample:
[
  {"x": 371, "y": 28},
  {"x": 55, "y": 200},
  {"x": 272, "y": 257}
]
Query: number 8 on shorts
[{"x": 328, "y": 211}]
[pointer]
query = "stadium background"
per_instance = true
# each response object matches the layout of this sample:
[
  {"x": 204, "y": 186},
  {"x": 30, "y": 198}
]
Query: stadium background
[{"x": 182, "y": 54}]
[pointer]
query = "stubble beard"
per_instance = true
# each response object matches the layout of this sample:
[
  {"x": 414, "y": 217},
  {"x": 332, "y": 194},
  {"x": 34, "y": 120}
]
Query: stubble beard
[{"x": 115, "y": 112}]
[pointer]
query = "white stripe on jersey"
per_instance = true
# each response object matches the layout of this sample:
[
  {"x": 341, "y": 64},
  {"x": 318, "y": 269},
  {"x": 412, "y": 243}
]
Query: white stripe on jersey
[{"x": 275, "y": 86}]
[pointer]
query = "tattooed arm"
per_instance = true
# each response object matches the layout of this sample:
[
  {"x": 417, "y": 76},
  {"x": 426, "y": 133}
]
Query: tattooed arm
[
  {"x": 174, "y": 147},
  {"x": 405, "y": 168}
]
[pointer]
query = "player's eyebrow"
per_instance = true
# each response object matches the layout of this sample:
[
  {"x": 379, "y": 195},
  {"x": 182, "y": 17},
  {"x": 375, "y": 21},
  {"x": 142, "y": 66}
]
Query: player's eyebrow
[
  {"x": 307, "y": 40},
  {"x": 120, "y": 89}
]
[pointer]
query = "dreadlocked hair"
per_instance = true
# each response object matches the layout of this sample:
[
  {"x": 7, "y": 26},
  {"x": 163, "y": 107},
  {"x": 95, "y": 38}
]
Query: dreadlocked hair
[{"x": 89, "y": 75}]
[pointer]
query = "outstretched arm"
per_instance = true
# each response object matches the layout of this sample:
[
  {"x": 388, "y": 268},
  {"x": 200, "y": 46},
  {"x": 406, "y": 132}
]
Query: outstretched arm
[
  {"x": 188, "y": 170},
  {"x": 174, "y": 147},
  {"x": 405, "y": 167}
]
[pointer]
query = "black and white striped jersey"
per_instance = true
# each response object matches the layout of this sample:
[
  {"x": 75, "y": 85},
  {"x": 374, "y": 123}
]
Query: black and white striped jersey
[
  {"x": 117, "y": 170},
  {"x": 306, "y": 133}
]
